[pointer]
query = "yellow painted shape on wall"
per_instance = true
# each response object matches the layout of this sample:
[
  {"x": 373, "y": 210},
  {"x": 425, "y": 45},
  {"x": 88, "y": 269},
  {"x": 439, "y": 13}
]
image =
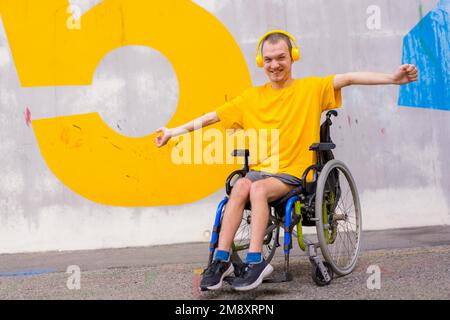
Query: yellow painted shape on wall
[{"x": 81, "y": 150}]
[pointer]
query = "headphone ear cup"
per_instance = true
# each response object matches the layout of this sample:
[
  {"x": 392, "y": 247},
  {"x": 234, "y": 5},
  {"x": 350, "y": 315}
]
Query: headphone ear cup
[
  {"x": 295, "y": 54},
  {"x": 259, "y": 60}
]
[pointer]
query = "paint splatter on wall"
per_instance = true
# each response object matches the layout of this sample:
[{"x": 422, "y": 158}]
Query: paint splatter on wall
[
  {"x": 428, "y": 47},
  {"x": 27, "y": 114}
]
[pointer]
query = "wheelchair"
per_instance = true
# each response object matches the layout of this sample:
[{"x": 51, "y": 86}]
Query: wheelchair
[{"x": 329, "y": 202}]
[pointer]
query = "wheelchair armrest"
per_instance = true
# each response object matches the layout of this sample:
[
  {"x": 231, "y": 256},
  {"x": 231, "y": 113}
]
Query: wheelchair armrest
[
  {"x": 324, "y": 146},
  {"x": 228, "y": 185},
  {"x": 240, "y": 153}
]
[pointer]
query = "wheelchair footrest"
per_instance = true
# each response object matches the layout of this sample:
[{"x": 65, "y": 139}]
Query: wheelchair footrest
[{"x": 280, "y": 278}]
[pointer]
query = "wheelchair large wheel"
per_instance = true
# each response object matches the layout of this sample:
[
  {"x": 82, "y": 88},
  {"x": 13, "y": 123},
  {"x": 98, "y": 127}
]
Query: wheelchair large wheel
[
  {"x": 338, "y": 214},
  {"x": 241, "y": 241}
]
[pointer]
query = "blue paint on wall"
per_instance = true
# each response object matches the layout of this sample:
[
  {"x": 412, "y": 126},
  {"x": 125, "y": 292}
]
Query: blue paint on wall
[{"x": 428, "y": 47}]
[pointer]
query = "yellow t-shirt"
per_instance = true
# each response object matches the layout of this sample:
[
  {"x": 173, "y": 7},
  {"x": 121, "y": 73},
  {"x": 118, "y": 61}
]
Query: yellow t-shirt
[{"x": 295, "y": 111}]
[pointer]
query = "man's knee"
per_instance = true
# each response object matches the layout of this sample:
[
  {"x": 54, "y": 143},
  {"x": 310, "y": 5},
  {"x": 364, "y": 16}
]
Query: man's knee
[
  {"x": 258, "y": 190},
  {"x": 241, "y": 189}
]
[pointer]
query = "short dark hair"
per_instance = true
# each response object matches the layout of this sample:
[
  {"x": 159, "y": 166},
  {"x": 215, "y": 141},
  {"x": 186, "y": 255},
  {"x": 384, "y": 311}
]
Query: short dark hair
[{"x": 274, "y": 38}]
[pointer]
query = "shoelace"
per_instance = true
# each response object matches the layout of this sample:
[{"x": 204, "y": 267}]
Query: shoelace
[
  {"x": 246, "y": 269},
  {"x": 212, "y": 269}
]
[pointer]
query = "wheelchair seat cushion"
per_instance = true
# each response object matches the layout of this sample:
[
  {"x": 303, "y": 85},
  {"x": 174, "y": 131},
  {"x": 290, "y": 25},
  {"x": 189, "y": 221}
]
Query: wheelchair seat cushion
[{"x": 280, "y": 203}]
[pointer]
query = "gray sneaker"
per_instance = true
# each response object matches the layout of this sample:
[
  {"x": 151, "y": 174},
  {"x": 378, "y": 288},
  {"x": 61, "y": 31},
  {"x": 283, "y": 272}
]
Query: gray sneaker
[
  {"x": 213, "y": 276},
  {"x": 252, "y": 276}
]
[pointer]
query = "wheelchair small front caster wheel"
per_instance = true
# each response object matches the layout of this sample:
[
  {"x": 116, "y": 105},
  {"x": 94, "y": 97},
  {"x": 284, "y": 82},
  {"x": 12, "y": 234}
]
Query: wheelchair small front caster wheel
[{"x": 318, "y": 277}]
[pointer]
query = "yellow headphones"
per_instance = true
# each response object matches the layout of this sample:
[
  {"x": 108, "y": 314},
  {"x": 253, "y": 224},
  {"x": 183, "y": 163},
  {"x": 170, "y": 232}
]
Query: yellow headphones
[{"x": 295, "y": 53}]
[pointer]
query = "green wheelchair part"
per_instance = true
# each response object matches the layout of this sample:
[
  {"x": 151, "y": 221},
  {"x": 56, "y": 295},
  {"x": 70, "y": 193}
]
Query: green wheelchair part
[
  {"x": 330, "y": 230},
  {"x": 298, "y": 213}
]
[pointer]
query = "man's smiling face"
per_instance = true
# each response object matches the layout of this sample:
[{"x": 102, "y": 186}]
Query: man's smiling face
[{"x": 277, "y": 61}]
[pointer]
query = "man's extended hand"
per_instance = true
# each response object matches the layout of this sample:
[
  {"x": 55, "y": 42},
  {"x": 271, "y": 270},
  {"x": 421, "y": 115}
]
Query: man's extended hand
[
  {"x": 161, "y": 140},
  {"x": 405, "y": 74}
]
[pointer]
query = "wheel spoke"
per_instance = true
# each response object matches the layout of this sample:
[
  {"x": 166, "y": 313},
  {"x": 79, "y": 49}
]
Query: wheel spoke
[{"x": 349, "y": 235}]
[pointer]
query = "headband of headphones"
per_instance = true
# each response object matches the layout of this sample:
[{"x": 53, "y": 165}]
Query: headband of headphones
[{"x": 295, "y": 53}]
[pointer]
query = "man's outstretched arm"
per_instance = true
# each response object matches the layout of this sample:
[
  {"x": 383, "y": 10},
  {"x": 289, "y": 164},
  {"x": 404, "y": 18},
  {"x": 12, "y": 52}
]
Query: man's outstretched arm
[
  {"x": 405, "y": 74},
  {"x": 201, "y": 122}
]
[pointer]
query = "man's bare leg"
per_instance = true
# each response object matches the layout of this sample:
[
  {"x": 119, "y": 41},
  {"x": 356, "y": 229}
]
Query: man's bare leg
[
  {"x": 261, "y": 194},
  {"x": 215, "y": 274},
  {"x": 233, "y": 213}
]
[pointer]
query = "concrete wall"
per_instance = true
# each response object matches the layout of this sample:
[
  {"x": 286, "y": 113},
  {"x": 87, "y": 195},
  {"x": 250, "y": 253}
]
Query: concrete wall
[{"x": 396, "y": 154}]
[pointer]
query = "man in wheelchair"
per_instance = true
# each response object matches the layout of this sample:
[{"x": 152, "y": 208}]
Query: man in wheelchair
[{"x": 294, "y": 108}]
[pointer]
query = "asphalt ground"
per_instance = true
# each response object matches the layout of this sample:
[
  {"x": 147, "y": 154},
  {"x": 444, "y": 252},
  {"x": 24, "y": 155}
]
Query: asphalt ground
[{"x": 413, "y": 264}]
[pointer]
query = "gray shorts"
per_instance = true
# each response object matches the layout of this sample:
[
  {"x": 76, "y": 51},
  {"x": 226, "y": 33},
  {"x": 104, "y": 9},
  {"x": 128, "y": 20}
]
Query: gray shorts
[{"x": 261, "y": 175}]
